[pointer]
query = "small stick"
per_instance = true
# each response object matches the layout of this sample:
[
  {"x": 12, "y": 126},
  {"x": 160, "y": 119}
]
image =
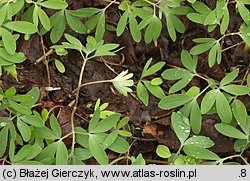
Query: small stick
[{"x": 44, "y": 56}]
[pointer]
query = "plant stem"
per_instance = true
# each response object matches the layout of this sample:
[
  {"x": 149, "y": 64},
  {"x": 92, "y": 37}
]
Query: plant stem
[
  {"x": 95, "y": 82},
  {"x": 232, "y": 46},
  {"x": 76, "y": 102},
  {"x": 208, "y": 81},
  {"x": 157, "y": 161},
  {"x": 114, "y": 1},
  {"x": 178, "y": 152},
  {"x": 203, "y": 91},
  {"x": 229, "y": 34},
  {"x": 118, "y": 159}
]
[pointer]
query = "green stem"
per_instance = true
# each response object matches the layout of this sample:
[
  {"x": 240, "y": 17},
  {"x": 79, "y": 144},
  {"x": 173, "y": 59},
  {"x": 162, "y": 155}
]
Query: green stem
[
  {"x": 229, "y": 34},
  {"x": 76, "y": 102},
  {"x": 178, "y": 152},
  {"x": 109, "y": 5},
  {"x": 119, "y": 159},
  {"x": 208, "y": 81},
  {"x": 157, "y": 161}
]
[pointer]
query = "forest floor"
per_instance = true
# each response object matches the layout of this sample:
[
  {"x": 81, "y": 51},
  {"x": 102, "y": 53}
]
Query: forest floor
[{"x": 150, "y": 125}]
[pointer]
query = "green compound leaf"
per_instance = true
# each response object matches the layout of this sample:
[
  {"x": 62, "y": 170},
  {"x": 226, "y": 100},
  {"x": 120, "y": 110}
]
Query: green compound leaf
[
  {"x": 175, "y": 74},
  {"x": 201, "y": 48},
  {"x": 75, "y": 23},
  {"x": 119, "y": 145},
  {"x": 19, "y": 108},
  {"x": 100, "y": 29},
  {"x": 58, "y": 24},
  {"x": 181, "y": 84},
  {"x": 136, "y": 34}
]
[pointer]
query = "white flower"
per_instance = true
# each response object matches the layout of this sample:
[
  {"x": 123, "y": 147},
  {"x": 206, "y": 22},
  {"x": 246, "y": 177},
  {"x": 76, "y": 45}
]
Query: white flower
[{"x": 122, "y": 82}]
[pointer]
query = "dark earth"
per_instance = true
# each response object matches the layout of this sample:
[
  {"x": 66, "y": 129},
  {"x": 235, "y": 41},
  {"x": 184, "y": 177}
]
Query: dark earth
[{"x": 150, "y": 125}]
